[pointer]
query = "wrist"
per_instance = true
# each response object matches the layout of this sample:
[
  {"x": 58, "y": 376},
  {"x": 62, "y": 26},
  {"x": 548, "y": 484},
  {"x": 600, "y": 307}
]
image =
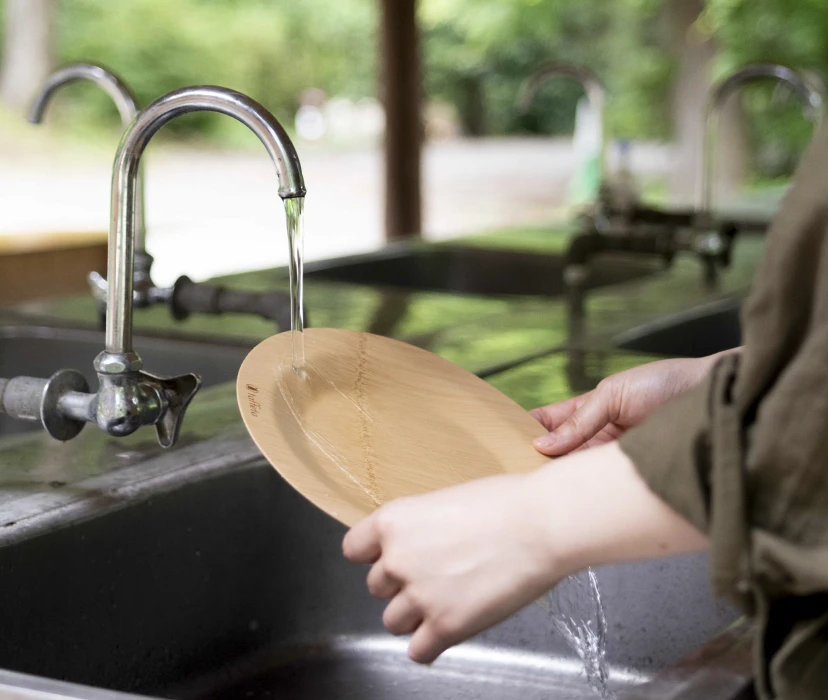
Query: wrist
[
  {"x": 593, "y": 508},
  {"x": 708, "y": 362}
]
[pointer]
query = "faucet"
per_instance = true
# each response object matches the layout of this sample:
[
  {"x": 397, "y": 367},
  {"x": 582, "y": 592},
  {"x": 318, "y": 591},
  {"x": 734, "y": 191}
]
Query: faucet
[
  {"x": 807, "y": 88},
  {"x": 129, "y": 397},
  {"x": 709, "y": 242},
  {"x": 593, "y": 87},
  {"x": 184, "y": 297},
  {"x": 125, "y": 101},
  {"x": 614, "y": 198}
]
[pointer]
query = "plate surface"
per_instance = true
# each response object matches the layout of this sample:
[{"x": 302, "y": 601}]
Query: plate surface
[{"x": 372, "y": 419}]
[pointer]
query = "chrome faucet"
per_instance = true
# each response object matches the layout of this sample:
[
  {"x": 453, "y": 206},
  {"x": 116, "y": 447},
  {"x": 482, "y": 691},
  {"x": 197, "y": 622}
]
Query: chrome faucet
[
  {"x": 129, "y": 397},
  {"x": 125, "y": 101},
  {"x": 593, "y": 88},
  {"x": 808, "y": 89},
  {"x": 708, "y": 240}
]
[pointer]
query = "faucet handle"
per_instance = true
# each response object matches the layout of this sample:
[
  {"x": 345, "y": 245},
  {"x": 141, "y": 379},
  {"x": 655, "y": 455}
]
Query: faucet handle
[
  {"x": 178, "y": 393},
  {"x": 144, "y": 292},
  {"x": 97, "y": 285}
]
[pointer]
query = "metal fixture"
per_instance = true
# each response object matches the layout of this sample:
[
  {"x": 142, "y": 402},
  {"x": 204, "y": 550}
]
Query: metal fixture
[
  {"x": 617, "y": 198},
  {"x": 647, "y": 230},
  {"x": 708, "y": 240},
  {"x": 184, "y": 297},
  {"x": 806, "y": 87},
  {"x": 126, "y": 103},
  {"x": 593, "y": 88},
  {"x": 129, "y": 397}
]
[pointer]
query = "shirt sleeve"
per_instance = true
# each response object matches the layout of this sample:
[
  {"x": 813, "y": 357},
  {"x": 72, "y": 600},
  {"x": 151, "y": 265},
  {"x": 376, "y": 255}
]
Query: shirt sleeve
[{"x": 744, "y": 455}]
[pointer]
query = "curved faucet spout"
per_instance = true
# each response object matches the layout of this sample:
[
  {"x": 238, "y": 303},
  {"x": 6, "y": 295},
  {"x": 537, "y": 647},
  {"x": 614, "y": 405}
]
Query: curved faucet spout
[
  {"x": 592, "y": 85},
  {"x": 109, "y": 82},
  {"x": 124, "y": 184},
  {"x": 806, "y": 87},
  {"x": 124, "y": 100}
]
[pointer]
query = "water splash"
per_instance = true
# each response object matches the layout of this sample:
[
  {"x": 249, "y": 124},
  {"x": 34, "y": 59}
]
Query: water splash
[
  {"x": 294, "y": 210},
  {"x": 577, "y": 613}
]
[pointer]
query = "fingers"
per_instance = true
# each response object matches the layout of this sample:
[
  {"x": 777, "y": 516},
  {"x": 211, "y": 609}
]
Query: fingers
[
  {"x": 609, "y": 434},
  {"x": 362, "y": 544},
  {"x": 581, "y": 426},
  {"x": 427, "y": 644},
  {"x": 381, "y": 584},
  {"x": 551, "y": 416},
  {"x": 401, "y": 616}
]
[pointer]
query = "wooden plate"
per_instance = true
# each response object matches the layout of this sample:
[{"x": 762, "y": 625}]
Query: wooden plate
[{"x": 374, "y": 419}]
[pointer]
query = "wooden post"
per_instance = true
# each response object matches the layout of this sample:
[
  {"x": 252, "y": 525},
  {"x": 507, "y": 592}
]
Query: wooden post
[
  {"x": 401, "y": 91},
  {"x": 695, "y": 54},
  {"x": 27, "y": 50}
]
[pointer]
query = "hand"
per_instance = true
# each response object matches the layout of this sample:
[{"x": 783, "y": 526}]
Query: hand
[
  {"x": 457, "y": 561},
  {"x": 618, "y": 403}
]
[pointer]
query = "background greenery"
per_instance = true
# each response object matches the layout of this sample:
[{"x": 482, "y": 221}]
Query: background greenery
[{"x": 476, "y": 53}]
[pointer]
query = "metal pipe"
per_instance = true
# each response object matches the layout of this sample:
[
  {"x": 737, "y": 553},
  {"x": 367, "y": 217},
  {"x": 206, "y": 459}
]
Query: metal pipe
[
  {"x": 124, "y": 100},
  {"x": 124, "y": 185},
  {"x": 806, "y": 87}
]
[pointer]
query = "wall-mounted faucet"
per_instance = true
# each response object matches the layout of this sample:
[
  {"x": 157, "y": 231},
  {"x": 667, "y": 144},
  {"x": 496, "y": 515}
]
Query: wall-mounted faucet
[
  {"x": 593, "y": 88},
  {"x": 708, "y": 239},
  {"x": 129, "y": 397},
  {"x": 184, "y": 297},
  {"x": 126, "y": 103},
  {"x": 808, "y": 88}
]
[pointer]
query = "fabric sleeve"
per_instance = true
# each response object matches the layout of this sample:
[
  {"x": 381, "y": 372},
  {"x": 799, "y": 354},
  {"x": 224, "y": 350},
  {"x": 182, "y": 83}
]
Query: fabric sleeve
[
  {"x": 755, "y": 479},
  {"x": 744, "y": 456}
]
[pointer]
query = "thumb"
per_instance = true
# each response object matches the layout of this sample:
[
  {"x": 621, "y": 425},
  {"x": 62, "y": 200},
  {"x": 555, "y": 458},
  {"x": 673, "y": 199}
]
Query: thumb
[{"x": 586, "y": 422}]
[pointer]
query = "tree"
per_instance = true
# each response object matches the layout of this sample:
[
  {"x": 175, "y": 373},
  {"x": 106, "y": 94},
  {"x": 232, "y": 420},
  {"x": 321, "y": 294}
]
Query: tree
[{"x": 28, "y": 49}]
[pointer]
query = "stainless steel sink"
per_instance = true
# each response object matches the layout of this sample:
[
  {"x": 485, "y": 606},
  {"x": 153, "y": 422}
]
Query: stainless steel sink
[
  {"x": 470, "y": 270},
  {"x": 39, "y": 351},
  {"x": 698, "y": 332},
  {"x": 233, "y": 586}
]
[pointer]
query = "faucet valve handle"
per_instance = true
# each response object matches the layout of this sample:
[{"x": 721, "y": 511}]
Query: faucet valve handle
[
  {"x": 97, "y": 285},
  {"x": 144, "y": 293},
  {"x": 178, "y": 392}
]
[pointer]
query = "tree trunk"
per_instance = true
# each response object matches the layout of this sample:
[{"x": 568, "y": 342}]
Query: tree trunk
[
  {"x": 473, "y": 108},
  {"x": 400, "y": 60},
  {"x": 27, "y": 49},
  {"x": 731, "y": 162},
  {"x": 694, "y": 53}
]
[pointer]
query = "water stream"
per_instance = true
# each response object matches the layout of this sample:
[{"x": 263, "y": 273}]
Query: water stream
[
  {"x": 577, "y": 613},
  {"x": 294, "y": 208}
]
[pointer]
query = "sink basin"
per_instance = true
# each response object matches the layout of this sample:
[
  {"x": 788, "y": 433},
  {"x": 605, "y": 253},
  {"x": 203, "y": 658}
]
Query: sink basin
[
  {"x": 469, "y": 270},
  {"x": 695, "y": 333},
  {"x": 234, "y": 586},
  {"x": 40, "y": 351}
]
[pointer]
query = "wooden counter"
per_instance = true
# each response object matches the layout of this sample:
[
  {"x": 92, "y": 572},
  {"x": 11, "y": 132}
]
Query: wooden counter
[{"x": 39, "y": 265}]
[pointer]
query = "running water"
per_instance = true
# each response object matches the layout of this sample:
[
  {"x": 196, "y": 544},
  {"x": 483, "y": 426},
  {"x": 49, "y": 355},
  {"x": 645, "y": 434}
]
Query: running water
[
  {"x": 577, "y": 613},
  {"x": 294, "y": 208}
]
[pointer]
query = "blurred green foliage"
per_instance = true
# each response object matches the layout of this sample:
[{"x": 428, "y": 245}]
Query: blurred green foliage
[
  {"x": 270, "y": 49},
  {"x": 476, "y": 53},
  {"x": 491, "y": 46},
  {"x": 790, "y": 32}
]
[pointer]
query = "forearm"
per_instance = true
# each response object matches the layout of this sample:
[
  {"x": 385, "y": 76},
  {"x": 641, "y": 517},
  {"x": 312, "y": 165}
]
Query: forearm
[
  {"x": 597, "y": 510},
  {"x": 694, "y": 370}
]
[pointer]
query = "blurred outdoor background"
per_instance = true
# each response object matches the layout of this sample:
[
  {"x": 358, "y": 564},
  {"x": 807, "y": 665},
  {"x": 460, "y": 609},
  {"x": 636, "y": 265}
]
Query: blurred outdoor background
[{"x": 212, "y": 204}]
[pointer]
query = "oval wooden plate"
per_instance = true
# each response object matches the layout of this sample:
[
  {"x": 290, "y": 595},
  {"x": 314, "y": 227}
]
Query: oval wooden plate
[{"x": 374, "y": 419}]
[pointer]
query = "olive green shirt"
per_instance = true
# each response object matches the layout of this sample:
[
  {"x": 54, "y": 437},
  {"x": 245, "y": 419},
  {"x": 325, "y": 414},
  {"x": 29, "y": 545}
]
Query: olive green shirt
[{"x": 745, "y": 457}]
